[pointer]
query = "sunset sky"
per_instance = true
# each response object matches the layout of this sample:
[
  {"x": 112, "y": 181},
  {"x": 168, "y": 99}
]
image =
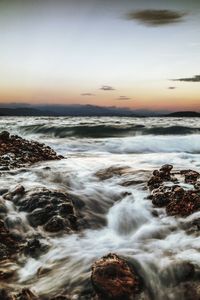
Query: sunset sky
[{"x": 128, "y": 53}]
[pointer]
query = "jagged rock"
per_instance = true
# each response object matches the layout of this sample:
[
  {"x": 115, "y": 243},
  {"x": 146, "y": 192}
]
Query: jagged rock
[
  {"x": 185, "y": 206},
  {"x": 16, "y": 152},
  {"x": 35, "y": 248},
  {"x": 57, "y": 223},
  {"x": 191, "y": 176},
  {"x": 160, "y": 199},
  {"x": 41, "y": 215},
  {"x": 113, "y": 278},
  {"x": 52, "y": 209},
  {"x": 175, "y": 198}
]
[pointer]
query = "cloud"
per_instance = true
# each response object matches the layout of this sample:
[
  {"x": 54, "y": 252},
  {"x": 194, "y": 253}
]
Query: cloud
[
  {"x": 107, "y": 88},
  {"x": 123, "y": 98},
  {"x": 156, "y": 17},
  {"x": 171, "y": 88},
  {"x": 195, "y": 78},
  {"x": 87, "y": 94}
]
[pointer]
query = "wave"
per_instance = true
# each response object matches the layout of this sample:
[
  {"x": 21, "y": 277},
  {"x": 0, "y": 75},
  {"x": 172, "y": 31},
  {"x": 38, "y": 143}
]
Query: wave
[{"x": 103, "y": 131}]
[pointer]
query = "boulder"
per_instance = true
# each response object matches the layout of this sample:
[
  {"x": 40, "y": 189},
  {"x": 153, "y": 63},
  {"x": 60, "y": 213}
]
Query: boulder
[{"x": 113, "y": 278}]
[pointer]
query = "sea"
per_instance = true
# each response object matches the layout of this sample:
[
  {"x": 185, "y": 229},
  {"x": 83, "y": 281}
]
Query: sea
[{"x": 117, "y": 217}]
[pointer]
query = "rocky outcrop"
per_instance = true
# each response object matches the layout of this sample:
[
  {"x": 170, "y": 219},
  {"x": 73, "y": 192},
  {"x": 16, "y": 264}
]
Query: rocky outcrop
[
  {"x": 113, "y": 278},
  {"x": 16, "y": 152},
  {"x": 53, "y": 210},
  {"x": 177, "y": 200}
]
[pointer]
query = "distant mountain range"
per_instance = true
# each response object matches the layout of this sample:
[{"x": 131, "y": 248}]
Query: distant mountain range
[{"x": 14, "y": 109}]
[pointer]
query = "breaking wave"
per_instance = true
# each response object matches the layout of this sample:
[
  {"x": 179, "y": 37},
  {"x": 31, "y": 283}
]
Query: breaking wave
[{"x": 103, "y": 131}]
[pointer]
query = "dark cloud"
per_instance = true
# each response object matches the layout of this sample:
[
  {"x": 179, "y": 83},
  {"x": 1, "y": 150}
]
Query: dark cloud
[
  {"x": 195, "y": 78},
  {"x": 123, "y": 98},
  {"x": 156, "y": 17},
  {"x": 107, "y": 88},
  {"x": 87, "y": 94},
  {"x": 171, "y": 88}
]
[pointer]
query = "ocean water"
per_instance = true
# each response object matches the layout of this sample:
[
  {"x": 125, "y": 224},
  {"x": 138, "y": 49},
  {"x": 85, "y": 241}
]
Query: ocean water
[{"x": 120, "y": 218}]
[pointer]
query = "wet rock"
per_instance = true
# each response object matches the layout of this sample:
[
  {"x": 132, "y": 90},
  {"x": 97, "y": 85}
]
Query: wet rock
[
  {"x": 3, "y": 208},
  {"x": 113, "y": 278},
  {"x": 178, "y": 272},
  {"x": 154, "y": 182},
  {"x": 5, "y": 295},
  {"x": 160, "y": 199},
  {"x": 7, "y": 241},
  {"x": 4, "y": 135},
  {"x": 56, "y": 224},
  {"x": 3, "y": 251},
  {"x": 110, "y": 172},
  {"x": 16, "y": 152},
  {"x": 132, "y": 182},
  {"x": 13, "y": 222},
  {"x": 175, "y": 198},
  {"x": 26, "y": 294},
  {"x": 160, "y": 176},
  {"x": 19, "y": 189},
  {"x": 191, "y": 176},
  {"x": 40, "y": 216},
  {"x": 185, "y": 206},
  {"x": 52, "y": 209},
  {"x": 65, "y": 209},
  {"x": 178, "y": 192},
  {"x": 35, "y": 248}
]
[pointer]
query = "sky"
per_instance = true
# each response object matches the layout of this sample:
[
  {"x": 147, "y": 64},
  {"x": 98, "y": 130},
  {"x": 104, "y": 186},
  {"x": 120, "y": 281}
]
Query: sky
[{"x": 130, "y": 53}]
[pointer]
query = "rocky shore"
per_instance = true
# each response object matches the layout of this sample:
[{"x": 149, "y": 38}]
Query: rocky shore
[
  {"x": 16, "y": 152},
  {"x": 50, "y": 212}
]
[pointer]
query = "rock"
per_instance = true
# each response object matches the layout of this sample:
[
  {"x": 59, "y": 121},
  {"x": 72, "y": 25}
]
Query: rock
[
  {"x": 191, "y": 177},
  {"x": 3, "y": 251},
  {"x": 113, "y": 278},
  {"x": 35, "y": 248},
  {"x": 110, "y": 172},
  {"x": 176, "y": 199},
  {"x": 5, "y": 237},
  {"x": 166, "y": 168},
  {"x": 154, "y": 182},
  {"x": 19, "y": 189},
  {"x": 178, "y": 192},
  {"x": 3, "y": 208},
  {"x": 185, "y": 206},
  {"x": 16, "y": 152},
  {"x": 57, "y": 223},
  {"x": 5, "y": 295},
  {"x": 52, "y": 209},
  {"x": 160, "y": 199},
  {"x": 178, "y": 272},
  {"x": 4, "y": 135},
  {"x": 26, "y": 294},
  {"x": 40, "y": 216},
  {"x": 65, "y": 209}
]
